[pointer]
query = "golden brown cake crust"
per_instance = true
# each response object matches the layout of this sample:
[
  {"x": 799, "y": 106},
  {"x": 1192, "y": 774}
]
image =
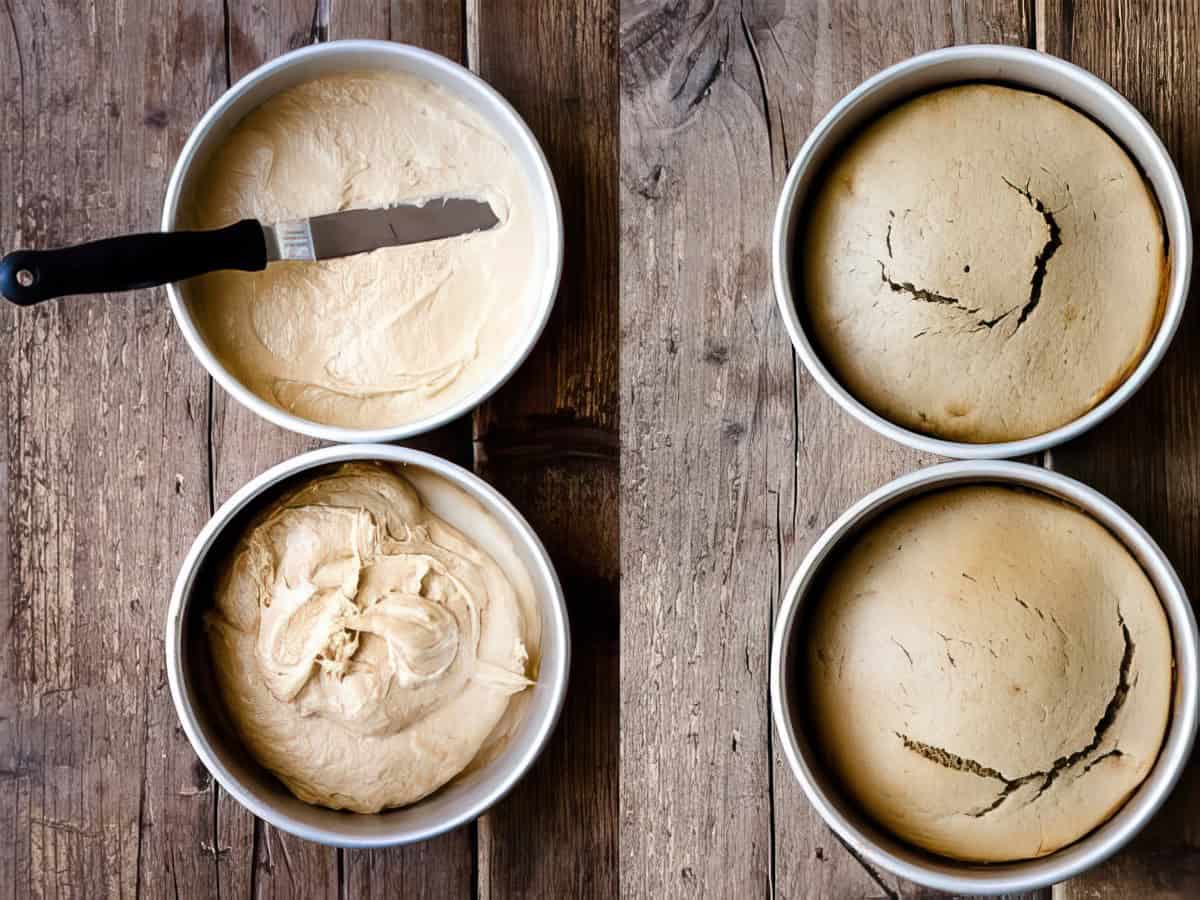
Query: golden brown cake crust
[
  {"x": 983, "y": 264},
  {"x": 989, "y": 673}
]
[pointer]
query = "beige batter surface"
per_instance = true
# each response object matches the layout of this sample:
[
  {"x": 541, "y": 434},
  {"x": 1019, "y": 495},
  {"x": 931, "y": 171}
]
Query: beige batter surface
[
  {"x": 383, "y": 338},
  {"x": 367, "y": 651},
  {"x": 983, "y": 264},
  {"x": 989, "y": 673}
]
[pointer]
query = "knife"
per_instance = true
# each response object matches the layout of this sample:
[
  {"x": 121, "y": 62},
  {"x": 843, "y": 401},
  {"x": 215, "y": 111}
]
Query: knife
[{"x": 145, "y": 260}]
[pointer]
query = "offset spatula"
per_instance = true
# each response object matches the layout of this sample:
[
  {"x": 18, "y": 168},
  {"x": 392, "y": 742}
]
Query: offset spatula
[{"x": 144, "y": 260}]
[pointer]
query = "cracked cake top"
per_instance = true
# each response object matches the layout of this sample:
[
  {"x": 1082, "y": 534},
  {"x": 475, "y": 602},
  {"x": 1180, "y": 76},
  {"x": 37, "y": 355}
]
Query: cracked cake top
[
  {"x": 983, "y": 264},
  {"x": 988, "y": 673}
]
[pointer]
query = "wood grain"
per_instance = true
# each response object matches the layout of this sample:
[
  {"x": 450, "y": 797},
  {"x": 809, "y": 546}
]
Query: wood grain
[
  {"x": 243, "y": 445},
  {"x": 696, "y": 190},
  {"x": 548, "y": 441},
  {"x": 106, "y": 478},
  {"x": 261, "y": 861},
  {"x": 104, "y": 471},
  {"x": 119, "y": 447},
  {"x": 733, "y": 460},
  {"x": 1147, "y": 456}
]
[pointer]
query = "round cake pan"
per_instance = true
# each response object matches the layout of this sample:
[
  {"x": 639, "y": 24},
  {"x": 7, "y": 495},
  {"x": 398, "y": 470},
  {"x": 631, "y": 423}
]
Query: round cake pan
[
  {"x": 888, "y": 852},
  {"x": 309, "y": 63},
  {"x": 1020, "y": 68},
  {"x": 198, "y": 704}
]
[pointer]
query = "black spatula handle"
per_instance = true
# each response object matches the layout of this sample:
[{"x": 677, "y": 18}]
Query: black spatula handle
[{"x": 133, "y": 261}]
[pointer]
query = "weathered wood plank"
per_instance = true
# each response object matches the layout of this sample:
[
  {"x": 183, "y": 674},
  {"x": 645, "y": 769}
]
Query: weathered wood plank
[
  {"x": 697, "y": 553},
  {"x": 548, "y": 440},
  {"x": 442, "y": 867},
  {"x": 104, "y": 460},
  {"x": 1147, "y": 457},
  {"x": 716, "y": 98},
  {"x": 243, "y": 446},
  {"x": 440, "y": 27},
  {"x": 261, "y": 861}
]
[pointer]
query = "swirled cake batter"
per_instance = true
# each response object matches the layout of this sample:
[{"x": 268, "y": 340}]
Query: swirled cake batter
[
  {"x": 367, "y": 651},
  {"x": 383, "y": 338}
]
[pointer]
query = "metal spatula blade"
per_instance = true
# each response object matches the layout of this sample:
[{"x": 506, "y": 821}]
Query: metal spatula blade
[{"x": 362, "y": 230}]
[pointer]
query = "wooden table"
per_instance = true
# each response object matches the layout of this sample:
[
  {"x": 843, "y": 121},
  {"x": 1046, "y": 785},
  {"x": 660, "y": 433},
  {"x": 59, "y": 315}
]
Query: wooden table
[
  {"x": 732, "y": 458},
  {"x": 118, "y": 448}
]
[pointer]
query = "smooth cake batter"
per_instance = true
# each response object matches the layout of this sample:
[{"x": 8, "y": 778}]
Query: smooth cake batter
[
  {"x": 983, "y": 264},
  {"x": 989, "y": 673},
  {"x": 378, "y": 339},
  {"x": 367, "y": 651}
]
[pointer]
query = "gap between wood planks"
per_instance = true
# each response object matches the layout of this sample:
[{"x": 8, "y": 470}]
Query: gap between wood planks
[{"x": 777, "y": 174}]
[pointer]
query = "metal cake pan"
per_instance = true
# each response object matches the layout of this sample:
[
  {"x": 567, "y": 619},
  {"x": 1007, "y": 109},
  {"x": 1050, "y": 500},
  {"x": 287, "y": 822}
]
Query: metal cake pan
[
  {"x": 197, "y": 700},
  {"x": 1017, "y": 67},
  {"x": 881, "y": 848},
  {"x": 309, "y": 63}
]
